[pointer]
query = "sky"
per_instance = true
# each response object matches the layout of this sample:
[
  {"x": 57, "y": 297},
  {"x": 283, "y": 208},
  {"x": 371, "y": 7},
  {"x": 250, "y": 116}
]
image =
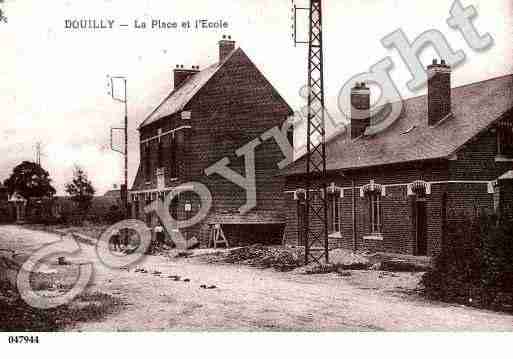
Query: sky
[{"x": 54, "y": 85}]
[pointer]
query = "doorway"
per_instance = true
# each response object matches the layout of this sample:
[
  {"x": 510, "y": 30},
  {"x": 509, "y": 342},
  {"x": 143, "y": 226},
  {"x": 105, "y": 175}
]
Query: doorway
[
  {"x": 301, "y": 223},
  {"x": 421, "y": 227}
]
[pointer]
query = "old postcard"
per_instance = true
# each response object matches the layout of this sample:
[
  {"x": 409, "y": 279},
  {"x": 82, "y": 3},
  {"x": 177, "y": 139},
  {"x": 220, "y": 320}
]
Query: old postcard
[{"x": 255, "y": 166}]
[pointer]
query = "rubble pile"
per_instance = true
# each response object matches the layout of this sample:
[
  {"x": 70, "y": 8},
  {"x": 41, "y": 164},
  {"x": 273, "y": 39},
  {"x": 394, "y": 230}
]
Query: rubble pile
[{"x": 280, "y": 258}]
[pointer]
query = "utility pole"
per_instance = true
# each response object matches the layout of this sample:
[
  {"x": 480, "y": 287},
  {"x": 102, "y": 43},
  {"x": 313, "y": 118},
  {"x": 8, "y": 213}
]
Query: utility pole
[
  {"x": 38, "y": 153},
  {"x": 316, "y": 222},
  {"x": 124, "y": 152}
]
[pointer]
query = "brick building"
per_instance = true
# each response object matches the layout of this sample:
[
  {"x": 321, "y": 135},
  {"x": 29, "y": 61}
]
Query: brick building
[
  {"x": 446, "y": 158},
  {"x": 208, "y": 116}
]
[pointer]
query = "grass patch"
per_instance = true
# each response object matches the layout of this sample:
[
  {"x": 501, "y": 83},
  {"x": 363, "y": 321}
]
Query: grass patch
[{"x": 17, "y": 316}]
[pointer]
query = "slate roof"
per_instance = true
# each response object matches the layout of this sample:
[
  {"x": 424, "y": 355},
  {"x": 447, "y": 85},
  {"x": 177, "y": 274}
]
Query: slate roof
[
  {"x": 474, "y": 107},
  {"x": 180, "y": 97}
]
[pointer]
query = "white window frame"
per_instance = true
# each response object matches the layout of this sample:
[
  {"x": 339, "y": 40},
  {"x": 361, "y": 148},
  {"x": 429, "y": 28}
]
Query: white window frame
[
  {"x": 376, "y": 220},
  {"x": 336, "y": 208}
]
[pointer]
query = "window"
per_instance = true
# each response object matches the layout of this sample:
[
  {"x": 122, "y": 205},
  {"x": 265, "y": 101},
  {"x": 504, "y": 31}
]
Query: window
[
  {"x": 505, "y": 139},
  {"x": 173, "y": 167},
  {"x": 496, "y": 199},
  {"x": 290, "y": 136},
  {"x": 160, "y": 156},
  {"x": 375, "y": 212},
  {"x": 147, "y": 162},
  {"x": 334, "y": 223},
  {"x": 301, "y": 222}
]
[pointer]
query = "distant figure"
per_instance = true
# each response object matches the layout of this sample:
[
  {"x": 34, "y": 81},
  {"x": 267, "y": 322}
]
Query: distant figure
[
  {"x": 116, "y": 240},
  {"x": 125, "y": 240},
  {"x": 159, "y": 235}
]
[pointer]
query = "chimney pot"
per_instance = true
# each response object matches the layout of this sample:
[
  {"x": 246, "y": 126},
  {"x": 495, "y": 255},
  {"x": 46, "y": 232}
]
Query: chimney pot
[
  {"x": 226, "y": 46},
  {"x": 181, "y": 75},
  {"x": 439, "y": 93},
  {"x": 360, "y": 109}
]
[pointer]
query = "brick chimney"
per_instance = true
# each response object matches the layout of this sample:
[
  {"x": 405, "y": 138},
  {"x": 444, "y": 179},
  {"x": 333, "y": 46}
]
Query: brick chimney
[
  {"x": 226, "y": 46},
  {"x": 439, "y": 92},
  {"x": 181, "y": 75},
  {"x": 360, "y": 109}
]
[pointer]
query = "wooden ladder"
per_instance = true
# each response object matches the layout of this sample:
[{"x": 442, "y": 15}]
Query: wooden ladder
[{"x": 217, "y": 237}]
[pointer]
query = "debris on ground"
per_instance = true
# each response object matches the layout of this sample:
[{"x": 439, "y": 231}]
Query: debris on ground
[
  {"x": 399, "y": 265},
  {"x": 316, "y": 268},
  {"x": 393, "y": 262},
  {"x": 349, "y": 260},
  {"x": 280, "y": 258},
  {"x": 341, "y": 260}
]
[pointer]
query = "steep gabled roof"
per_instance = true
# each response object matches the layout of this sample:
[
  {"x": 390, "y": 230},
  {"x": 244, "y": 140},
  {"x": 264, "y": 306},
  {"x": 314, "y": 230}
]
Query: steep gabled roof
[
  {"x": 181, "y": 96},
  {"x": 474, "y": 108}
]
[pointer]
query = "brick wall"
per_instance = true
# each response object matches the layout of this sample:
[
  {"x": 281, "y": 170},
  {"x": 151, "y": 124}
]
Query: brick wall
[
  {"x": 398, "y": 230},
  {"x": 235, "y": 107},
  {"x": 450, "y": 202}
]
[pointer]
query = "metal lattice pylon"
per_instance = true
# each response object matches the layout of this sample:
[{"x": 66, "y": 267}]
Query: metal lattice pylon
[{"x": 316, "y": 221}]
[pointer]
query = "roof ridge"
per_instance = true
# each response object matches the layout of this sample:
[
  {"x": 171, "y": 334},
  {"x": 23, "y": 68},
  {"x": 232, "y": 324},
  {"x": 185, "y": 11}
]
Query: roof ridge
[
  {"x": 462, "y": 86},
  {"x": 218, "y": 64},
  {"x": 475, "y": 102}
]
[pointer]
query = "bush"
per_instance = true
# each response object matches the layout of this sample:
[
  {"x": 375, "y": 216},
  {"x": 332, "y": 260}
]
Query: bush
[
  {"x": 475, "y": 266},
  {"x": 5, "y": 214},
  {"x": 114, "y": 215}
]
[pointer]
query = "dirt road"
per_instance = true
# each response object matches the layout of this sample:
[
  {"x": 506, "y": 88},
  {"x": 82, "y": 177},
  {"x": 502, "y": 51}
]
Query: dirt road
[{"x": 251, "y": 299}]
